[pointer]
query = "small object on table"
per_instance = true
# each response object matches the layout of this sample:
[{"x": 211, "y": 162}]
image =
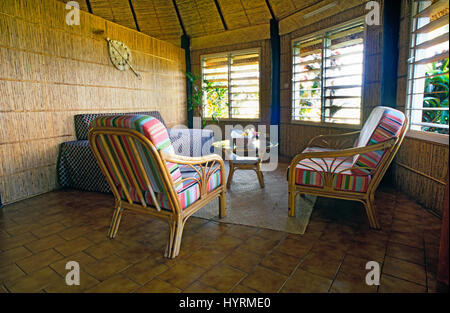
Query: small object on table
[{"x": 243, "y": 144}]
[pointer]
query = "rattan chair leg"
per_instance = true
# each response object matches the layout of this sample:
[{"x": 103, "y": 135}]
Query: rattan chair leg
[
  {"x": 223, "y": 205},
  {"x": 170, "y": 241},
  {"x": 292, "y": 203},
  {"x": 114, "y": 227},
  {"x": 178, "y": 234},
  {"x": 371, "y": 213}
]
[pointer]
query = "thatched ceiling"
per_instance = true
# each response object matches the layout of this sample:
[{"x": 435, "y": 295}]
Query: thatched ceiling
[{"x": 158, "y": 18}]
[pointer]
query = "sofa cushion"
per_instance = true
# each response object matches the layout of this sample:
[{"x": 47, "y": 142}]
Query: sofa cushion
[
  {"x": 389, "y": 126},
  {"x": 83, "y": 121}
]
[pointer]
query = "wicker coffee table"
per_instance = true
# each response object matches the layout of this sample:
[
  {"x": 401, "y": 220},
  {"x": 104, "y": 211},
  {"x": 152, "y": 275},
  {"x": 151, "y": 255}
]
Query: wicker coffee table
[{"x": 238, "y": 162}]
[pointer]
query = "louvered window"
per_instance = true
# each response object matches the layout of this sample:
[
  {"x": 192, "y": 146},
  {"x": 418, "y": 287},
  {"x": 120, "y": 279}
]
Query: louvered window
[
  {"x": 239, "y": 72},
  {"x": 328, "y": 75},
  {"x": 428, "y": 67}
]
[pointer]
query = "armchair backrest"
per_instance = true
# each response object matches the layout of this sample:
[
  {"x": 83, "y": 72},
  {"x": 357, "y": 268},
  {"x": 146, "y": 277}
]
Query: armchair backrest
[
  {"x": 128, "y": 150},
  {"x": 384, "y": 123}
]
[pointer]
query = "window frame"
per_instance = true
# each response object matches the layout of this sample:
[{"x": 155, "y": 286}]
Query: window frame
[
  {"x": 228, "y": 52},
  {"x": 413, "y": 133},
  {"x": 322, "y": 33}
]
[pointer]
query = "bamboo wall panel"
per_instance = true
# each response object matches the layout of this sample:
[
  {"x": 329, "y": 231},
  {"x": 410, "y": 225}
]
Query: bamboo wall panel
[
  {"x": 50, "y": 71},
  {"x": 426, "y": 157}
]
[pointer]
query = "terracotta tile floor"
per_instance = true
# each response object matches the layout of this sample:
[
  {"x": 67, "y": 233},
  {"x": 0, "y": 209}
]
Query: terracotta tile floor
[{"x": 39, "y": 235}]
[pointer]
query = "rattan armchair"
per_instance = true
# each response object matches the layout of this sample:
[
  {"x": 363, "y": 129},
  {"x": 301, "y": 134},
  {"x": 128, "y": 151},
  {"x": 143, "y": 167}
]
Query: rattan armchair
[
  {"x": 349, "y": 166},
  {"x": 135, "y": 154}
]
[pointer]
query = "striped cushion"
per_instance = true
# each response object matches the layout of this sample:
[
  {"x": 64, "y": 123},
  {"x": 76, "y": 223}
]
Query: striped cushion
[
  {"x": 188, "y": 194},
  {"x": 308, "y": 173},
  {"x": 388, "y": 127},
  {"x": 155, "y": 131}
]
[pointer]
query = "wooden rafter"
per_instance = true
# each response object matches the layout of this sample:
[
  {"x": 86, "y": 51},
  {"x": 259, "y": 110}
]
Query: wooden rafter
[{"x": 221, "y": 14}]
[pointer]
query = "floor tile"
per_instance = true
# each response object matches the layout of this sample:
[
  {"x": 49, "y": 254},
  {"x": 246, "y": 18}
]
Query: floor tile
[
  {"x": 242, "y": 289},
  {"x": 145, "y": 271},
  {"x": 264, "y": 280},
  {"x": 305, "y": 282},
  {"x": 182, "y": 274},
  {"x": 107, "y": 267},
  {"x": 222, "y": 277},
  {"x": 206, "y": 257},
  {"x": 406, "y": 253},
  {"x": 10, "y": 272},
  {"x": 259, "y": 244},
  {"x": 199, "y": 287},
  {"x": 295, "y": 247},
  {"x": 323, "y": 260},
  {"x": 243, "y": 260},
  {"x": 34, "y": 282},
  {"x": 158, "y": 286},
  {"x": 405, "y": 270},
  {"x": 389, "y": 284},
  {"x": 104, "y": 249},
  {"x": 115, "y": 284},
  {"x": 73, "y": 246},
  {"x": 40, "y": 260},
  {"x": 13, "y": 255},
  {"x": 280, "y": 262}
]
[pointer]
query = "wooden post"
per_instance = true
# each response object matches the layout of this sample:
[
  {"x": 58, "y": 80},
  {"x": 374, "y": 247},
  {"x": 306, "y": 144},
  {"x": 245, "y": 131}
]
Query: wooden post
[
  {"x": 186, "y": 45},
  {"x": 275, "y": 106},
  {"x": 391, "y": 29},
  {"x": 442, "y": 274}
]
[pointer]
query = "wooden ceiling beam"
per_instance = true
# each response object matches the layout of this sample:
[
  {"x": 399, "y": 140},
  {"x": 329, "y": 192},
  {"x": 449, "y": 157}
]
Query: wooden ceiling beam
[
  {"x": 179, "y": 17},
  {"x": 134, "y": 15},
  {"x": 272, "y": 13},
  {"x": 221, "y": 15},
  {"x": 88, "y": 4}
]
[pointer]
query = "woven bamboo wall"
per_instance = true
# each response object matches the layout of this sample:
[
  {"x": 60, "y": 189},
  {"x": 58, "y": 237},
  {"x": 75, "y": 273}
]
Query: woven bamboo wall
[
  {"x": 417, "y": 155},
  {"x": 50, "y": 71}
]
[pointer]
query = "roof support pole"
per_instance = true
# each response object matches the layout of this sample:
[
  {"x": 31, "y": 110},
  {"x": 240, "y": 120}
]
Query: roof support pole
[
  {"x": 186, "y": 45},
  {"x": 391, "y": 28},
  {"x": 275, "y": 107}
]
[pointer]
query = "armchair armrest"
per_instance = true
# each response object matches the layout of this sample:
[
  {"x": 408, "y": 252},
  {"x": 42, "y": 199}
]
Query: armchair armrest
[
  {"x": 337, "y": 141},
  {"x": 204, "y": 166},
  {"x": 344, "y": 153}
]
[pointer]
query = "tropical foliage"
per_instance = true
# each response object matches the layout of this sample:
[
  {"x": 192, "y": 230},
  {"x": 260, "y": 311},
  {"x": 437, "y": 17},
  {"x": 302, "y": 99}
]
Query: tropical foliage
[
  {"x": 436, "y": 96},
  {"x": 208, "y": 99}
]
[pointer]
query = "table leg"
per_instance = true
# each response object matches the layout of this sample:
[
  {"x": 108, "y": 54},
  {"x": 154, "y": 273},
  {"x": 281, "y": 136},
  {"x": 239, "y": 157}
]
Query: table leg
[
  {"x": 230, "y": 174},
  {"x": 260, "y": 174}
]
